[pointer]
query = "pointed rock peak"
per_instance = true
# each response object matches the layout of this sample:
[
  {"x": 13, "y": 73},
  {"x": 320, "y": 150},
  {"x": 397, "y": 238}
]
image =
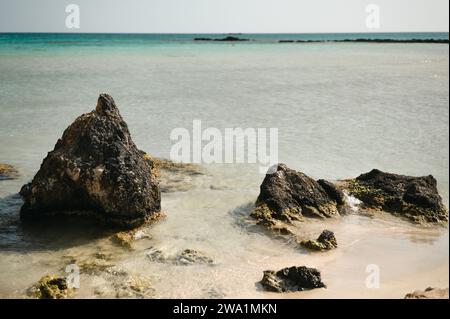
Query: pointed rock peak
[{"x": 106, "y": 105}]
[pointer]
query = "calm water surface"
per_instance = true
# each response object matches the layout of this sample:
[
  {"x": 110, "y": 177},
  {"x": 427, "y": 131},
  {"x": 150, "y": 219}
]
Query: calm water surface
[{"x": 341, "y": 109}]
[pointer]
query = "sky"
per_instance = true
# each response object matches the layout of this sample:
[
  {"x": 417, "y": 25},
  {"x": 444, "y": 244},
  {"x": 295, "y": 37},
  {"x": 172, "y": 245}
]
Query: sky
[{"x": 224, "y": 16}]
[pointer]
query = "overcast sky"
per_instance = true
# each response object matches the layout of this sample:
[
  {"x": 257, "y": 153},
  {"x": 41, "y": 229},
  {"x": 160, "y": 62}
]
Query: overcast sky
[{"x": 224, "y": 16}]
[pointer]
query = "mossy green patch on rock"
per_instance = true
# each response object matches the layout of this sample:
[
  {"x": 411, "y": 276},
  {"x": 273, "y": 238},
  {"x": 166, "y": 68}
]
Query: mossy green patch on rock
[{"x": 50, "y": 287}]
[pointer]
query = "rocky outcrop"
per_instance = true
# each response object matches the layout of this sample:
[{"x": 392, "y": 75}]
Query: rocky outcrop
[
  {"x": 8, "y": 172},
  {"x": 50, "y": 287},
  {"x": 325, "y": 241},
  {"x": 429, "y": 293},
  {"x": 96, "y": 170},
  {"x": 288, "y": 195},
  {"x": 415, "y": 198},
  {"x": 292, "y": 279}
]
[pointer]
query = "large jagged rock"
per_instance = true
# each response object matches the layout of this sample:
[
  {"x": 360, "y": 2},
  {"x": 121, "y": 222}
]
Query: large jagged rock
[
  {"x": 415, "y": 198},
  {"x": 97, "y": 170},
  {"x": 288, "y": 195},
  {"x": 292, "y": 279}
]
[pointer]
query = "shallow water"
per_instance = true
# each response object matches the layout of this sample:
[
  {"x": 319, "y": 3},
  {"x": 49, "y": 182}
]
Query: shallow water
[{"x": 341, "y": 109}]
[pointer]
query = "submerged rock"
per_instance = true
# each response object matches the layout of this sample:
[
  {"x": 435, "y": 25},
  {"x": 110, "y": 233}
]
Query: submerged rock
[
  {"x": 429, "y": 293},
  {"x": 173, "y": 176},
  {"x": 50, "y": 287},
  {"x": 8, "y": 172},
  {"x": 127, "y": 238},
  {"x": 415, "y": 198},
  {"x": 288, "y": 195},
  {"x": 292, "y": 279},
  {"x": 191, "y": 256},
  {"x": 325, "y": 241},
  {"x": 95, "y": 168},
  {"x": 187, "y": 257}
]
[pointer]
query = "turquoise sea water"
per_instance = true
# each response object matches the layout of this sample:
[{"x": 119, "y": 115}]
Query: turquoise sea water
[
  {"x": 341, "y": 109},
  {"x": 95, "y": 39}
]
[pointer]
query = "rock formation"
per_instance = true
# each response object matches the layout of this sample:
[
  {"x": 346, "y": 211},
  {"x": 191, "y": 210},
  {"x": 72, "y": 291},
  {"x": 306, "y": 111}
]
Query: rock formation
[
  {"x": 325, "y": 241},
  {"x": 95, "y": 169},
  {"x": 415, "y": 198},
  {"x": 50, "y": 287},
  {"x": 288, "y": 195},
  {"x": 292, "y": 279}
]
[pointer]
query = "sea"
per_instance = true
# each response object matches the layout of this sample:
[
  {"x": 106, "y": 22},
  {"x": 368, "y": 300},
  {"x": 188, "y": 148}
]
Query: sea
[{"x": 341, "y": 109}]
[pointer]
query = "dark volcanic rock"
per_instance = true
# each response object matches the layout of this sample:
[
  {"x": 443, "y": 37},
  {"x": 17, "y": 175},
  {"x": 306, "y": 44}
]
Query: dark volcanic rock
[
  {"x": 333, "y": 191},
  {"x": 97, "y": 170},
  {"x": 292, "y": 279},
  {"x": 226, "y": 39},
  {"x": 287, "y": 194},
  {"x": 416, "y": 198},
  {"x": 326, "y": 241}
]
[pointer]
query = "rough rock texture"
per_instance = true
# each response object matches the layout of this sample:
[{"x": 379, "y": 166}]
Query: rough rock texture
[
  {"x": 326, "y": 241},
  {"x": 50, "y": 287},
  {"x": 287, "y": 195},
  {"x": 292, "y": 279},
  {"x": 415, "y": 198},
  {"x": 8, "y": 172},
  {"x": 95, "y": 168},
  {"x": 429, "y": 293}
]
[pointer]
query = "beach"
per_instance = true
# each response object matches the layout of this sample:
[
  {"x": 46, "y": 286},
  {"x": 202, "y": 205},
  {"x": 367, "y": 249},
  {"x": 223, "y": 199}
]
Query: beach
[{"x": 341, "y": 109}]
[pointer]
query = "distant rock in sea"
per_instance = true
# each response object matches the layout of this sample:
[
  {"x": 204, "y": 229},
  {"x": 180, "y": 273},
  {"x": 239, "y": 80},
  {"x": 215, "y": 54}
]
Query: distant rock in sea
[
  {"x": 415, "y": 198},
  {"x": 226, "y": 39},
  {"x": 95, "y": 170}
]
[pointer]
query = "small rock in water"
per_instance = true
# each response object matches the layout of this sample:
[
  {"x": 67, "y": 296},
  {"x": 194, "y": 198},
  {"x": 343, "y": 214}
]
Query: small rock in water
[
  {"x": 156, "y": 255},
  {"x": 8, "y": 172},
  {"x": 50, "y": 287},
  {"x": 292, "y": 279},
  {"x": 126, "y": 238},
  {"x": 326, "y": 241},
  {"x": 429, "y": 293},
  {"x": 191, "y": 256}
]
